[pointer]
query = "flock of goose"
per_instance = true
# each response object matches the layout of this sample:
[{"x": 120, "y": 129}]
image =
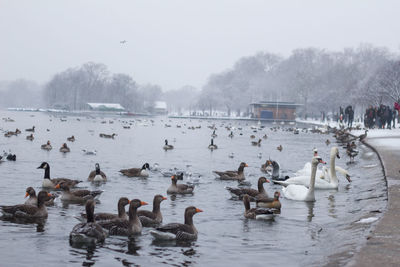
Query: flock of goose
[{"x": 95, "y": 227}]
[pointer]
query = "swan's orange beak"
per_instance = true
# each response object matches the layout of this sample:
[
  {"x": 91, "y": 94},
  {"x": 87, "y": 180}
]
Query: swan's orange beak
[
  {"x": 57, "y": 186},
  {"x": 164, "y": 198},
  {"x": 199, "y": 210},
  {"x": 268, "y": 181},
  {"x": 49, "y": 195},
  {"x": 246, "y": 165},
  {"x": 26, "y": 194},
  {"x": 143, "y": 203}
]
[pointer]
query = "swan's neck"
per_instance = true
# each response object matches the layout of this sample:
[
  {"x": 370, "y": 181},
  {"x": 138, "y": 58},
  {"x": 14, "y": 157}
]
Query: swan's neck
[
  {"x": 310, "y": 194},
  {"x": 246, "y": 205},
  {"x": 333, "y": 177}
]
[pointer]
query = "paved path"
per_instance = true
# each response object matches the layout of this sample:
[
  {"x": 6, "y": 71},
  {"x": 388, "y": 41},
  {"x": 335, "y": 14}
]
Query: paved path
[{"x": 383, "y": 244}]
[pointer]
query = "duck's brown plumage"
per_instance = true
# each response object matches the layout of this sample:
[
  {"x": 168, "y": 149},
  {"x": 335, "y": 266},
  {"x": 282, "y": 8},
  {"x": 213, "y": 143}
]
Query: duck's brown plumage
[
  {"x": 265, "y": 202},
  {"x": 179, "y": 188},
  {"x": 126, "y": 227},
  {"x": 79, "y": 196},
  {"x": 233, "y": 175},
  {"x": 186, "y": 231},
  {"x": 103, "y": 216},
  {"x": 154, "y": 217},
  {"x": 90, "y": 231},
  {"x": 97, "y": 171},
  {"x": 252, "y": 213},
  {"x": 51, "y": 183},
  {"x": 32, "y": 200},
  {"x": 135, "y": 172},
  {"x": 26, "y": 211},
  {"x": 240, "y": 192}
]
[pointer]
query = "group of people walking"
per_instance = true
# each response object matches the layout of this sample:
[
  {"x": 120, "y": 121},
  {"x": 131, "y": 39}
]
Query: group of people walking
[{"x": 381, "y": 117}]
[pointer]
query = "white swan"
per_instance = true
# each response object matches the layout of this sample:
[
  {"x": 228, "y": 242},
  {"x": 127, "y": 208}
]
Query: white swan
[
  {"x": 326, "y": 178},
  {"x": 300, "y": 192}
]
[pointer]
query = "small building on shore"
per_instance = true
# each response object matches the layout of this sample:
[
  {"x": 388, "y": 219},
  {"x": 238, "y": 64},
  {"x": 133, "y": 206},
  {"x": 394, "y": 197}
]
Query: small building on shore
[
  {"x": 269, "y": 110},
  {"x": 105, "y": 107},
  {"x": 160, "y": 107}
]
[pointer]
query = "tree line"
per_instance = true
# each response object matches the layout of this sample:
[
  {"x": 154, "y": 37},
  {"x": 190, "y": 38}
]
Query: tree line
[{"x": 320, "y": 80}]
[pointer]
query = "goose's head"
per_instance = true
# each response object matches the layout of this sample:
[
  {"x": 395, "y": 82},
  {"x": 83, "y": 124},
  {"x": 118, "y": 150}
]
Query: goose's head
[
  {"x": 44, "y": 165},
  {"x": 146, "y": 166},
  {"x": 30, "y": 192},
  {"x": 97, "y": 166}
]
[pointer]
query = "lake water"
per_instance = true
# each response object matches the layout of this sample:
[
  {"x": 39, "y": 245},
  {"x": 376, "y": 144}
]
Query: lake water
[{"x": 304, "y": 234}]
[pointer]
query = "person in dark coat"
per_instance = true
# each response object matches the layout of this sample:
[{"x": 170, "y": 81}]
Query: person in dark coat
[
  {"x": 388, "y": 117},
  {"x": 394, "y": 115},
  {"x": 350, "y": 116}
]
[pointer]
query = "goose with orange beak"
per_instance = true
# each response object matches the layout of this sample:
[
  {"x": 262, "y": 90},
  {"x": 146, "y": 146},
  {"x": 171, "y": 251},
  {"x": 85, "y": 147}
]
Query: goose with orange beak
[
  {"x": 26, "y": 211},
  {"x": 179, "y": 188},
  {"x": 233, "y": 175},
  {"x": 32, "y": 200},
  {"x": 178, "y": 231},
  {"x": 154, "y": 217},
  {"x": 123, "y": 227}
]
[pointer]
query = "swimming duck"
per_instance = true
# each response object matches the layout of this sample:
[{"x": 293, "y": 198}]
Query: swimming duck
[
  {"x": 89, "y": 232},
  {"x": 256, "y": 143},
  {"x": 51, "y": 183},
  {"x": 64, "y": 148},
  {"x": 154, "y": 217},
  {"x": 269, "y": 203},
  {"x": 27, "y": 211},
  {"x": 240, "y": 192},
  {"x": 30, "y": 137},
  {"x": 233, "y": 175},
  {"x": 97, "y": 175},
  {"x": 275, "y": 172},
  {"x": 212, "y": 146},
  {"x": 107, "y": 135},
  {"x": 265, "y": 136},
  {"x": 255, "y": 213},
  {"x": 71, "y": 139},
  {"x": 47, "y": 146},
  {"x": 213, "y": 135},
  {"x": 252, "y": 136},
  {"x": 122, "y": 202},
  {"x": 166, "y": 146},
  {"x": 89, "y": 152},
  {"x": 231, "y": 135},
  {"x": 30, "y": 129},
  {"x": 11, "y": 157},
  {"x": 178, "y": 231},
  {"x": 123, "y": 227},
  {"x": 137, "y": 172},
  {"x": 76, "y": 196},
  {"x": 32, "y": 200},
  {"x": 280, "y": 148},
  {"x": 327, "y": 142},
  {"x": 179, "y": 188}
]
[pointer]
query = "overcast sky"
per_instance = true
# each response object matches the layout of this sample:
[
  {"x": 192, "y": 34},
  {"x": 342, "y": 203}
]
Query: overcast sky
[{"x": 177, "y": 42}]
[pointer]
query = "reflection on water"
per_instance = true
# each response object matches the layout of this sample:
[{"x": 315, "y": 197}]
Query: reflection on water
[{"x": 316, "y": 229}]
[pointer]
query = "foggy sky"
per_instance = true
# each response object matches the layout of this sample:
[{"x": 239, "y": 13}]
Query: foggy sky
[{"x": 177, "y": 42}]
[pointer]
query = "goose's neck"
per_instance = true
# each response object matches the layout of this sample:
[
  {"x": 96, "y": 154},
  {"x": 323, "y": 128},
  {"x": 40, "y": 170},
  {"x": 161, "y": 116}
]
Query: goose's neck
[
  {"x": 240, "y": 169},
  {"x": 246, "y": 204},
  {"x": 156, "y": 206},
  {"x": 47, "y": 173},
  {"x": 188, "y": 219},
  {"x": 133, "y": 214},
  {"x": 89, "y": 214},
  {"x": 261, "y": 187},
  {"x": 121, "y": 211}
]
